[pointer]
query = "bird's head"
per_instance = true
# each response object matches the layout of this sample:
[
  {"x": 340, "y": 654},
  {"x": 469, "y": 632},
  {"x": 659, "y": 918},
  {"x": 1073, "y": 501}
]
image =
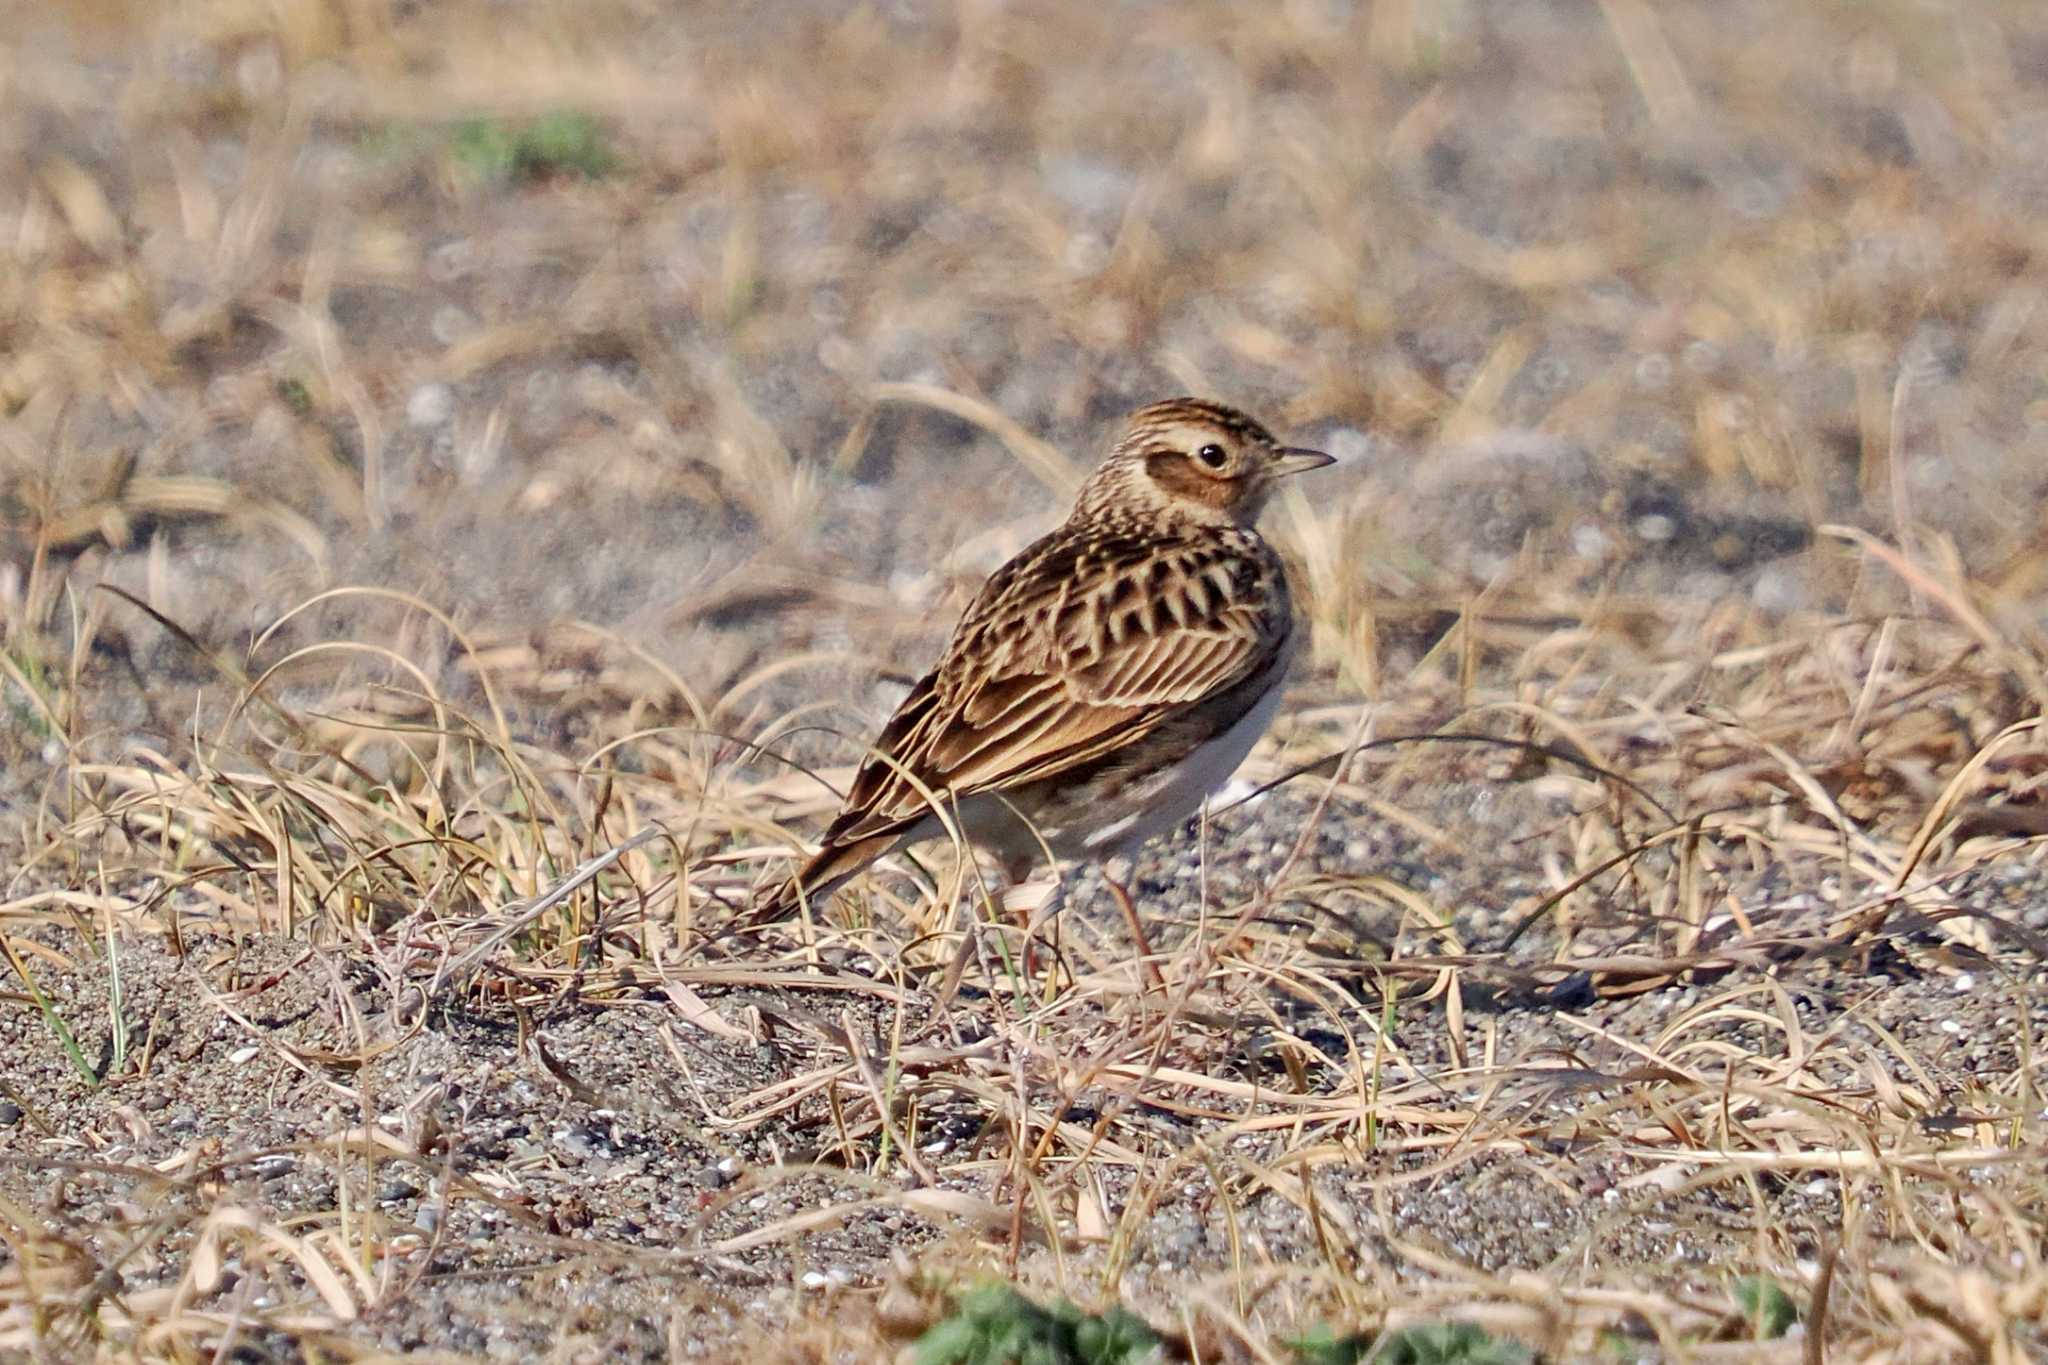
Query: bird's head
[{"x": 1189, "y": 458}]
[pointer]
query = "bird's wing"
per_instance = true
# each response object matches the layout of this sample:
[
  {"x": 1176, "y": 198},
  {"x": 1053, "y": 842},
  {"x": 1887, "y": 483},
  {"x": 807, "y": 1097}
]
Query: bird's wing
[{"x": 1078, "y": 647}]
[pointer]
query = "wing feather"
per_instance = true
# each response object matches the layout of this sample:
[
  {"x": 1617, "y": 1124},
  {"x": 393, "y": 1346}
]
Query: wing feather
[{"x": 1079, "y": 646}]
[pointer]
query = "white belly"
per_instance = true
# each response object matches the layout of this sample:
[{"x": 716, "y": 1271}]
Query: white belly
[
  {"x": 1117, "y": 824},
  {"x": 1166, "y": 799}
]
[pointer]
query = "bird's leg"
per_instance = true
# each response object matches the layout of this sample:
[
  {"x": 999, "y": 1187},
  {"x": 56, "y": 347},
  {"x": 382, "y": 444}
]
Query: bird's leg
[
  {"x": 1137, "y": 926},
  {"x": 1018, "y": 901},
  {"x": 1029, "y": 903}
]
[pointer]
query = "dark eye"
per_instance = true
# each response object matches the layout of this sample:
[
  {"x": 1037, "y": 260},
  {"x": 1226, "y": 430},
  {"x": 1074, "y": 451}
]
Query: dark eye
[{"x": 1213, "y": 456}]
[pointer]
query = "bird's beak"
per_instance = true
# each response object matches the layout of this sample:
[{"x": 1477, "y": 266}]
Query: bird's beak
[{"x": 1294, "y": 460}]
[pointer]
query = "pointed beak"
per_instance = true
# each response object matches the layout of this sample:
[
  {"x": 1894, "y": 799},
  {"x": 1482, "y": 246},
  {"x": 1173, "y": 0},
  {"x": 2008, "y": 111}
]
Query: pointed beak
[{"x": 1294, "y": 460}]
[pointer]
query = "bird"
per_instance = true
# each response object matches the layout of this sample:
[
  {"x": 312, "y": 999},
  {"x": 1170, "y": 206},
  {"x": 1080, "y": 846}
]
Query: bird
[{"x": 1104, "y": 681}]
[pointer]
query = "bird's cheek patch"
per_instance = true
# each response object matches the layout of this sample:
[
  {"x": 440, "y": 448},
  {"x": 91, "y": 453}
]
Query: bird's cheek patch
[{"x": 1175, "y": 476}]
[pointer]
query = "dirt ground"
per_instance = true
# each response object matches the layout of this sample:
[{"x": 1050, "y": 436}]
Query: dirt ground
[{"x": 440, "y": 443}]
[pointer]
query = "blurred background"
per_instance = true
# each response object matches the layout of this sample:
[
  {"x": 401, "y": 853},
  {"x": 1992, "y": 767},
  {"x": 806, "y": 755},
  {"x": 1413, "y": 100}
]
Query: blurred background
[{"x": 754, "y": 335}]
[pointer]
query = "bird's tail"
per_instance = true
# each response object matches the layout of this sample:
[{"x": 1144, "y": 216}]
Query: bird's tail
[{"x": 830, "y": 868}]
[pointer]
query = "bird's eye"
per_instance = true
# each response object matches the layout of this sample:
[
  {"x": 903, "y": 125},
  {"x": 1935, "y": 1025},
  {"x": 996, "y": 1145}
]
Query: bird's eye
[{"x": 1213, "y": 455}]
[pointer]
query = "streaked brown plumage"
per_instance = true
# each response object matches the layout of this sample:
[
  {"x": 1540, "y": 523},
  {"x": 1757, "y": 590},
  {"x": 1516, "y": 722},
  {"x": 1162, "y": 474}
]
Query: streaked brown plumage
[{"x": 1105, "y": 680}]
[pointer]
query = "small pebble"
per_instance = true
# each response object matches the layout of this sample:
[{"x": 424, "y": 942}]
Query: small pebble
[
  {"x": 10, "y": 1113},
  {"x": 430, "y": 405},
  {"x": 451, "y": 261},
  {"x": 1656, "y": 528},
  {"x": 242, "y": 1055},
  {"x": 451, "y": 324}
]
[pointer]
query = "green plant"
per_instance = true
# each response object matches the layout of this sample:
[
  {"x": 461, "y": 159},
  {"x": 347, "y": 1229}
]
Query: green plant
[
  {"x": 296, "y": 396},
  {"x": 996, "y": 1325},
  {"x": 53, "y": 1020},
  {"x": 36, "y": 707},
  {"x": 1766, "y": 1305},
  {"x": 559, "y": 143},
  {"x": 1435, "y": 1343}
]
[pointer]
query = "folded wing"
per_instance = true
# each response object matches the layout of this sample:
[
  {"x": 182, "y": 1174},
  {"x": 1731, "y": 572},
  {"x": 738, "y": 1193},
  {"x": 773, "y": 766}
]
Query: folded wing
[{"x": 1073, "y": 651}]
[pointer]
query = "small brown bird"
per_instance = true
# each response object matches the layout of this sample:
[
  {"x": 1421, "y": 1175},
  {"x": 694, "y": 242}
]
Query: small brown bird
[{"x": 1104, "y": 681}]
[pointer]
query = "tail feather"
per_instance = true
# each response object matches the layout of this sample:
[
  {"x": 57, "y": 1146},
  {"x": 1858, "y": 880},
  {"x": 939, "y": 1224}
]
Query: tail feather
[{"x": 830, "y": 868}]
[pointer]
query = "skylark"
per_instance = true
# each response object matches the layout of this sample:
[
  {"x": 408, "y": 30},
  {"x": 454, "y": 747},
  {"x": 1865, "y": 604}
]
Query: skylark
[{"x": 1104, "y": 681}]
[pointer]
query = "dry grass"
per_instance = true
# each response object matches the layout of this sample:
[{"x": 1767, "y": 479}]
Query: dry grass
[{"x": 379, "y": 547}]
